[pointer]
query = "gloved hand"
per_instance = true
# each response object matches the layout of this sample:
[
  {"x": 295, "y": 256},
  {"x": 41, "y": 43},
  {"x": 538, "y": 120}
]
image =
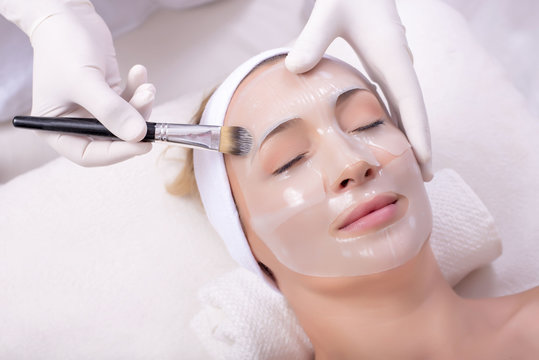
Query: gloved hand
[
  {"x": 374, "y": 30},
  {"x": 76, "y": 74},
  {"x": 87, "y": 152}
]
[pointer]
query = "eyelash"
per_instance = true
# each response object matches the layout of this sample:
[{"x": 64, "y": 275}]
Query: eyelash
[
  {"x": 300, "y": 157},
  {"x": 367, "y": 127},
  {"x": 289, "y": 164}
]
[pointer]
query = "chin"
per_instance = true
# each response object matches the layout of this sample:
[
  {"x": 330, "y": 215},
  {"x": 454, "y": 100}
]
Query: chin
[{"x": 349, "y": 285}]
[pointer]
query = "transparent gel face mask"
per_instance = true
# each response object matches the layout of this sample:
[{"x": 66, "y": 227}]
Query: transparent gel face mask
[{"x": 326, "y": 199}]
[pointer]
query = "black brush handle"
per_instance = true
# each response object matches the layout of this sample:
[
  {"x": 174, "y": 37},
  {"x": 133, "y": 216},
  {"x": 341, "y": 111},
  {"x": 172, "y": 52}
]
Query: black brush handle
[{"x": 71, "y": 125}]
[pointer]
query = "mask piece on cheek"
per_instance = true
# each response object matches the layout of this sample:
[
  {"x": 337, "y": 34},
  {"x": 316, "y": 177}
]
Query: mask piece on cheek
[{"x": 301, "y": 234}]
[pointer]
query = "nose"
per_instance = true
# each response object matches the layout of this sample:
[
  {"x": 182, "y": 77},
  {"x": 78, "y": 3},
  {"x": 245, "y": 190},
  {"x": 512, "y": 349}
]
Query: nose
[
  {"x": 354, "y": 174},
  {"x": 347, "y": 162}
]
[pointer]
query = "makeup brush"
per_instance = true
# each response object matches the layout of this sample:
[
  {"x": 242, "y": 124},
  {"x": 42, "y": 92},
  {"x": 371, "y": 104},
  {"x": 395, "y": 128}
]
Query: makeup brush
[{"x": 233, "y": 140}]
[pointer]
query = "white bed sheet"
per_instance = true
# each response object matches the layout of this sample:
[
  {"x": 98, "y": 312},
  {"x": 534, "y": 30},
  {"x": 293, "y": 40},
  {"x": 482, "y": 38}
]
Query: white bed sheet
[{"x": 508, "y": 30}]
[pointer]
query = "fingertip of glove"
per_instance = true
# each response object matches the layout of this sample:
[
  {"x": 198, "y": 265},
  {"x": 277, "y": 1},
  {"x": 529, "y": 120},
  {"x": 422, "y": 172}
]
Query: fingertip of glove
[
  {"x": 133, "y": 130},
  {"x": 149, "y": 87},
  {"x": 426, "y": 171},
  {"x": 298, "y": 62},
  {"x": 138, "y": 70},
  {"x": 143, "y": 95}
]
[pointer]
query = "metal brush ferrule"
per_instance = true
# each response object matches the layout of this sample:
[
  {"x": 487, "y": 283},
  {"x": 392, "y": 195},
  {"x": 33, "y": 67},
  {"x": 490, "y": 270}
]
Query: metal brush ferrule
[{"x": 196, "y": 136}]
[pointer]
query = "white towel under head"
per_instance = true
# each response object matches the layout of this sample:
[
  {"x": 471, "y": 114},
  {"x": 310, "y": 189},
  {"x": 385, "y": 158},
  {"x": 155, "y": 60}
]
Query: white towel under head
[
  {"x": 241, "y": 318},
  {"x": 464, "y": 236}
]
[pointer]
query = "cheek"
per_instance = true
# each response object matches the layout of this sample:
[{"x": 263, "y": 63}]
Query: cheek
[
  {"x": 259, "y": 249},
  {"x": 383, "y": 156},
  {"x": 267, "y": 199}
]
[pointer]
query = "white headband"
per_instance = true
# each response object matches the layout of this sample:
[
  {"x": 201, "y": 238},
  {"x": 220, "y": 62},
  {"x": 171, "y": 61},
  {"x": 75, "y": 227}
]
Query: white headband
[{"x": 210, "y": 171}]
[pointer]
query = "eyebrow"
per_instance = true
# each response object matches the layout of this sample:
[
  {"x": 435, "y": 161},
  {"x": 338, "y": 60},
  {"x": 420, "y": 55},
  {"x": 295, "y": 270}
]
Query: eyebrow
[
  {"x": 279, "y": 127},
  {"x": 342, "y": 98}
]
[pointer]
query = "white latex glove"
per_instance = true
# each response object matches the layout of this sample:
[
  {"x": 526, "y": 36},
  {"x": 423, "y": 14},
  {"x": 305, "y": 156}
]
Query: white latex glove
[
  {"x": 373, "y": 28},
  {"x": 76, "y": 74},
  {"x": 87, "y": 152}
]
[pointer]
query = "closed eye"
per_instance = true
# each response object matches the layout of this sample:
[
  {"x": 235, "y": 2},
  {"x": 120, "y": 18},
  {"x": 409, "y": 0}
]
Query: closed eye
[
  {"x": 289, "y": 164},
  {"x": 369, "y": 126}
]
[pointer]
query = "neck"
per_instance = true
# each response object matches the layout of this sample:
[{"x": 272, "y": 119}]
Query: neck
[{"x": 408, "y": 310}]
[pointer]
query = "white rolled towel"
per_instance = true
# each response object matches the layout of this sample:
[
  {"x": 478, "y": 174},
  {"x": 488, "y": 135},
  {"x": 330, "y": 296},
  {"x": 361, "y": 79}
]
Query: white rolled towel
[
  {"x": 464, "y": 236},
  {"x": 242, "y": 318}
]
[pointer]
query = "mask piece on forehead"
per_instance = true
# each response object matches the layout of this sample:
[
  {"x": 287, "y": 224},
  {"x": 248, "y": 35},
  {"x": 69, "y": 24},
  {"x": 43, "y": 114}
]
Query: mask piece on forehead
[{"x": 295, "y": 213}]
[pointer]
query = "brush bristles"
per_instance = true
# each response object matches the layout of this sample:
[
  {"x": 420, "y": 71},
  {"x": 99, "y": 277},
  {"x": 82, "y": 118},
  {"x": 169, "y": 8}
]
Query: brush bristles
[{"x": 235, "y": 140}]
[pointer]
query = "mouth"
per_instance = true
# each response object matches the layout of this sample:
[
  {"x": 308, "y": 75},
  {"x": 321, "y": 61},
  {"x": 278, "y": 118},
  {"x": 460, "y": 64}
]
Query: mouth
[{"x": 369, "y": 216}]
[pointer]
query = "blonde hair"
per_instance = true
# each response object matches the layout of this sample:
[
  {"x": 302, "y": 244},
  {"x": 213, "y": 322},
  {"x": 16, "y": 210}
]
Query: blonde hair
[{"x": 185, "y": 184}]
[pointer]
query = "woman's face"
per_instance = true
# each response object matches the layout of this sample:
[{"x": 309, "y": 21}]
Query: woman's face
[{"x": 331, "y": 188}]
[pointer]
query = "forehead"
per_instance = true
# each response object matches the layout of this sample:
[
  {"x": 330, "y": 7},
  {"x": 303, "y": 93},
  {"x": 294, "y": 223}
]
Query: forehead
[{"x": 271, "y": 93}]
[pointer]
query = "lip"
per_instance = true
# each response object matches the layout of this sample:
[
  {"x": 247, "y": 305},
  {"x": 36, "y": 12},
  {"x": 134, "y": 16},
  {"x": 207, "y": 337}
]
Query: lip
[{"x": 375, "y": 213}]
